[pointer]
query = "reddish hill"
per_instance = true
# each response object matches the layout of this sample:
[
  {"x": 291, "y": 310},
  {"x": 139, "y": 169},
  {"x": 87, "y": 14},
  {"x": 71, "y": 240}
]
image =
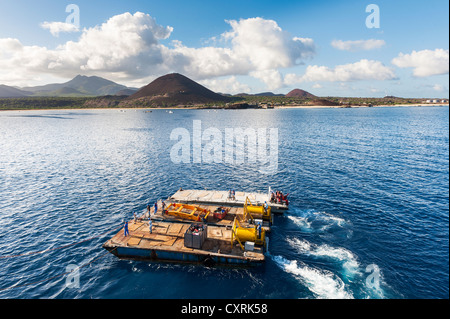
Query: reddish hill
[
  {"x": 300, "y": 93},
  {"x": 176, "y": 89}
]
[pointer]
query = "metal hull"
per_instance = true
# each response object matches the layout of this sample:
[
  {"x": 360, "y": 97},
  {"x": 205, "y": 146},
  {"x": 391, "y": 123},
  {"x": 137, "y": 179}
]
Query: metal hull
[{"x": 183, "y": 257}]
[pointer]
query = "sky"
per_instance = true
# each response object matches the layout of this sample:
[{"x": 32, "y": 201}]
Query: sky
[{"x": 355, "y": 48}]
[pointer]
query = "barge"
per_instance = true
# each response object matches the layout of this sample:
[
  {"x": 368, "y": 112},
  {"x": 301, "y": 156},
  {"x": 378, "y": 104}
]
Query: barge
[
  {"x": 166, "y": 243},
  {"x": 206, "y": 234},
  {"x": 229, "y": 198}
]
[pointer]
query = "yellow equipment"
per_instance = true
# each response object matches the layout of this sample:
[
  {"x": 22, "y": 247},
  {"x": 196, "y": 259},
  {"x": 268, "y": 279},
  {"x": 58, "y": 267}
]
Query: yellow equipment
[
  {"x": 185, "y": 211},
  {"x": 251, "y": 211},
  {"x": 254, "y": 234}
]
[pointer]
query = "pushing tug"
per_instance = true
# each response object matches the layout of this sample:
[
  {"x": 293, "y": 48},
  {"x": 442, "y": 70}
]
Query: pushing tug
[{"x": 197, "y": 233}]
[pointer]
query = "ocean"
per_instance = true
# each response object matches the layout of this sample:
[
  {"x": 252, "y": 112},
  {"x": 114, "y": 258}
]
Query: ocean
[{"x": 368, "y": 190}]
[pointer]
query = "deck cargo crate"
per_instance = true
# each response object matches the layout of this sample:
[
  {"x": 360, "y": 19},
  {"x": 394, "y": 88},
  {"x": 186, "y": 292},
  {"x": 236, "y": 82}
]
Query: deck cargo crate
[{"x": 195, "y": 236}]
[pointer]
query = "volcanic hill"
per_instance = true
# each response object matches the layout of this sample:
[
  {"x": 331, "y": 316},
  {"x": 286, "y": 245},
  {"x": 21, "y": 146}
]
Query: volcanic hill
[
  {"x": 175, "y": 89},
  {"x": 300, "y": 93}
]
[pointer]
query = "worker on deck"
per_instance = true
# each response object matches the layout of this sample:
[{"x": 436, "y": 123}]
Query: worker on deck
[
  {"x": 125, "y": 229},
  {"x": 156, "y": 208},
  {"x": 266, "y": 207},
  {"x": 150, "y": 225},
  {"x": 279, "y": 197}
]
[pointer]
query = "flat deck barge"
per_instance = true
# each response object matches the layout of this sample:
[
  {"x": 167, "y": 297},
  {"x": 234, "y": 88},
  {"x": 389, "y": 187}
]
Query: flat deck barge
[
  {"x": 215, "y": 197},
  {"x": 166, "y": 241}
]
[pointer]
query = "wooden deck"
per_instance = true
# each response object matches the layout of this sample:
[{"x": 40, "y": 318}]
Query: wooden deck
[
  {"x": 166, "y": 243},
  {"x": 211, "y": 220},
  {"x": 214, "y": 197}
]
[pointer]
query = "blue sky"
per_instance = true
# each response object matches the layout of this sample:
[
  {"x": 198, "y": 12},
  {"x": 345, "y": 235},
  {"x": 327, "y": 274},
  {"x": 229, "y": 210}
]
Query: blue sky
[{"x": 324, "y": 47}]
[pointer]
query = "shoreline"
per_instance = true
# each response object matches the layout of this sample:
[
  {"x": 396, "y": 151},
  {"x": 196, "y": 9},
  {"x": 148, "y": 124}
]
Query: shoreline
[
  {"x": 356, "y": 106},
  {"x": 210, "y": 108}
]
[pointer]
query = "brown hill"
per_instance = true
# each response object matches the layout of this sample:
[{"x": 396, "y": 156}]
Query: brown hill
[
  {"x": 175, "y": 89},
  {"x": 300, "y": 93}
]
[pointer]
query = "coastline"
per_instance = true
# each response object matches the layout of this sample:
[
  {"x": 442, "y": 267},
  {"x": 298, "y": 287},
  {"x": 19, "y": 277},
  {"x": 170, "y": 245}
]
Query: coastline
[
  {"x": 356, "y": 106},
  {"x": 210, "y": 108},
  {"x": 101, "y": 108}
]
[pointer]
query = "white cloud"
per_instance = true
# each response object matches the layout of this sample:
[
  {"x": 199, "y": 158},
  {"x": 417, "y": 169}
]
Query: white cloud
[
  {"x": 255, "y": 46},
  {"x": 272, "y": 78},
  {"x": 358, "y": 71},
  {"x": 425, "y": 62},
  {"x": 265, "y": 45},
  {"x": 128, "y": 47},
  {"x": 438, "y": 87},
  {"x": 206, "y": 62},
  {"x": 56, "y": 27},
  {"x": 9, "y": 45},
  {"x": 358, "y": 45},
  {"x": 228, "y": 85}
]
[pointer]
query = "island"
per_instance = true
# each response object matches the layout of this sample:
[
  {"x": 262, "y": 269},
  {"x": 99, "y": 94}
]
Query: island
[{"x": 177, "y": 91}]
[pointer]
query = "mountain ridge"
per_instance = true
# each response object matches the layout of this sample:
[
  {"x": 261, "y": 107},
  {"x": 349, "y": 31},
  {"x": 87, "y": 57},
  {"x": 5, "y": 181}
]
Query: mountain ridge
[
  {"x": 12, "y": 92},
  {"x": 80, "y": 85}
]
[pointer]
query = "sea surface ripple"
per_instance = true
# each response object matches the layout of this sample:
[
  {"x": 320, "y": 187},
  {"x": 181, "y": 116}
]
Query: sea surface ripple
[{"x": 369, "y": 212}]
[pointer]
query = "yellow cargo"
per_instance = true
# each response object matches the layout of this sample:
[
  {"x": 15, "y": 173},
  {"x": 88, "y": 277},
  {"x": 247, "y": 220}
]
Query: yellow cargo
[
  {"x": 251, "y": 234},
  {"x": 254, "y": 234},
  {"x": 185, "y": 211},
  {"x": 251, "y": 211}
]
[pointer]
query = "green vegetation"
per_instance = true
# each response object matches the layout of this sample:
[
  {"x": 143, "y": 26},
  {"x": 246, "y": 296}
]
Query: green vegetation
[
  {"x": 363, "y": 101},
  {"x": 344, "y": 101},
  {"x": 35, "y": 103}
]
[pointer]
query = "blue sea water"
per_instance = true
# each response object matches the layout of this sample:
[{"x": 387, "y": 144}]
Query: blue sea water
[{"x": 368, "y": 216}]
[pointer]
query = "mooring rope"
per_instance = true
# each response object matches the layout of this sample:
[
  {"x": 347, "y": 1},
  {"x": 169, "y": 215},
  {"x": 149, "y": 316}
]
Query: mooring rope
[{"x": 60, "y": 247}]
